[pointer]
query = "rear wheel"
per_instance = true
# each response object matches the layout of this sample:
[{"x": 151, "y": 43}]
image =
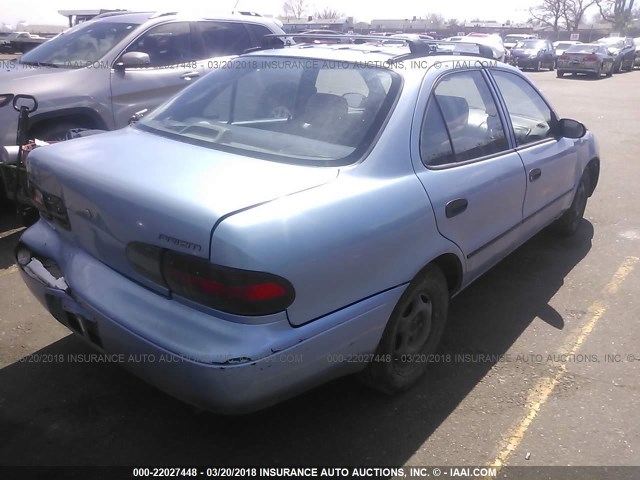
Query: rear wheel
[
  {"x": 598, "y": 73},
  {"x": 610, "y": 70},
  {"x": 559, "y": 73},
  {"x": 413, "y": 332},
  {"x": 552, "y": 65},
  {"x": 537, "y": 66}
]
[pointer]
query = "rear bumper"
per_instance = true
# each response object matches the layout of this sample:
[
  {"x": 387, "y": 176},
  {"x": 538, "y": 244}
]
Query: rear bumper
[
  {"x": 525, "y": 62},
  {"x": 573, "y": 68},
  {"x": 217, "y": 364}
]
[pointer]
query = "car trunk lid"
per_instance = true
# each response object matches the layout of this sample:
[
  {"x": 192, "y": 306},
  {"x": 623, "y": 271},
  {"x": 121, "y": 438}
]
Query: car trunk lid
[{"x": 132, "y": 186}]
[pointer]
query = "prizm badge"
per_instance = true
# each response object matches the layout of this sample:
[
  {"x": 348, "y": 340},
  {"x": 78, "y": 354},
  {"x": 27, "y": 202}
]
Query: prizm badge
[{"x": 180, "y": 243}]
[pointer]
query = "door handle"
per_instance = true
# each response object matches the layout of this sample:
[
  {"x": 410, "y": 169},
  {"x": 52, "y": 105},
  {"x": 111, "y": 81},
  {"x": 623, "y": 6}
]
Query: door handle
[
  {"x": 190, "y": 75},
  {"x": 535, "y": 174},
  {"x": 456, "y": 207}
]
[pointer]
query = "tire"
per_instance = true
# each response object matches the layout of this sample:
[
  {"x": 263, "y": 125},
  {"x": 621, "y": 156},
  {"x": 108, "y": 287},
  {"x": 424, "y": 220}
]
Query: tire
[
  {"x": 537, "y": 67},
  {"x": 610, "y": 70},
  {"x": 54, "y": 131},
  {"x": 570, "y": 220},
  {"x": 618, "y": 69},
  {"x": 598, "y": 74},
  {"x": 559, "y": 73},
  {"x": 552, "y": 65},
  {"x": 413, "y": 331}
]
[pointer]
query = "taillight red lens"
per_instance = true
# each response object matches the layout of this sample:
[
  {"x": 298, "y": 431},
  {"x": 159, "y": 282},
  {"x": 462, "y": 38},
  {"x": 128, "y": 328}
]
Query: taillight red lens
[
  {"x": 591, "y": 58},
  {"x": 232, "y": 290},
  {"x": 564, "y": 57}
]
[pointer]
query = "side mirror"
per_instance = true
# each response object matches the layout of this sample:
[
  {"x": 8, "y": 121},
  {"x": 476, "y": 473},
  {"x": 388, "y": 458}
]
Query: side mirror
[
  {"x": 133, "y": 60},
  {"x": 571, "y": 128}
]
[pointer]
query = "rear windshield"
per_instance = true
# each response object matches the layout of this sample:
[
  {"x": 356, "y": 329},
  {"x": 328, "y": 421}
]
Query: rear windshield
[
  {"x": 530, "y": 44},
  {"x": 583, "y": 49},
  {"x": 564, "y": 46},
  {"x": 293, "y": 110}
]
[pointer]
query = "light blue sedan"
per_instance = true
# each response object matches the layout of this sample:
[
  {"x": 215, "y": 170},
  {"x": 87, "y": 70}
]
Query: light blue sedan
[{"x": 304, "y": 214}]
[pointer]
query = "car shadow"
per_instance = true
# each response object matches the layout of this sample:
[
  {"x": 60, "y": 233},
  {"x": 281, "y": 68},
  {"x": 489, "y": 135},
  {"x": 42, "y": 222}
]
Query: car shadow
[
  {"x": 12, "y": 229},
  {"x": 584, "y": 77},
  {"x": 58, "y": 412}
]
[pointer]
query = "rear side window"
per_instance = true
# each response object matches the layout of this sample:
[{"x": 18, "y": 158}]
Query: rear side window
[
  {"x": 463, "y": 103},
  {"x": 530, "y": 116},
  {"x": 259, "y": 31},
  {"x": 223, "y": 38}
]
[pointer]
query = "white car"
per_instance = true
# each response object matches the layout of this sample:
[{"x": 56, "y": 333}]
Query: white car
[
  {"x": 562, "y": 45},
  {"x": 492, "y": 40}
]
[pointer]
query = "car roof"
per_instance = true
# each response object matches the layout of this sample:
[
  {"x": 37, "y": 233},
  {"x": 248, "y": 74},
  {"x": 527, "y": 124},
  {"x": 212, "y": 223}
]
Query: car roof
[
  {"x": 367, "y": 55},
  {"x": 159, "y": 17}
]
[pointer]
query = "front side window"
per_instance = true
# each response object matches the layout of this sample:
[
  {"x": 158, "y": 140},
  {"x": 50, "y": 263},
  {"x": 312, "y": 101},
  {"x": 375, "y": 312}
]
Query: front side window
[
  {"x": 167, "y": 44},
  {"x": 285, "y": 109},
  {"x": 463, "y": 102},
  {"x": 530, "y": 116}
]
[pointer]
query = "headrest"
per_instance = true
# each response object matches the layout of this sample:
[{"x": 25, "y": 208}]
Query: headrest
[
  {"x": 454, "y": 109},
  {"x": 324, "y": 107}
]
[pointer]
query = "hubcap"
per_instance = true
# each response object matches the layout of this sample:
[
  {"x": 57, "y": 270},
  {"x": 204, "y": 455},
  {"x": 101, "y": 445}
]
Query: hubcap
[{"x": 414, "y": 329}]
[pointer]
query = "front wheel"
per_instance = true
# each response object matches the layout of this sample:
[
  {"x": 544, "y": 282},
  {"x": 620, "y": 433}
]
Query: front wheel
[
  {"x": 570, "y": 220},
  {"x": 537, "y": 66},
  {"x": 413, "y": 332},
  {"x": 610, "y": 70}
]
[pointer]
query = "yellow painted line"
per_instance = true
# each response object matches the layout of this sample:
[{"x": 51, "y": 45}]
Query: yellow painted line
[
  {"x": 7, "y": 271},
  {"x": 543, "y": 389},
  {"x": 11, "y": 232}
]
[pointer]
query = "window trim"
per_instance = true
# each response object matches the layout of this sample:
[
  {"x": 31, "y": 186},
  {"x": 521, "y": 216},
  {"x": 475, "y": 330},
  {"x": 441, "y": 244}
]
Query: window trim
[{"x": 497, "y": 101}]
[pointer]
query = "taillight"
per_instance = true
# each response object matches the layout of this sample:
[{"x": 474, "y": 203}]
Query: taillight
[
  {"x": 50, "y": 206},
  {"x": 232, "y": 290},
  {"x": 591, "y": 58},
  {"x": 564, "y": 57}
]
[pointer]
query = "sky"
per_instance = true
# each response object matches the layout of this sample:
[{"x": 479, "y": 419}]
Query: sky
[{"x": 38, "y": 12}]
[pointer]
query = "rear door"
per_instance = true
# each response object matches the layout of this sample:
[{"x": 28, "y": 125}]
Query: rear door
[
  {"x": 473, "y": 178},
  {"x": 550, "y": 162}
]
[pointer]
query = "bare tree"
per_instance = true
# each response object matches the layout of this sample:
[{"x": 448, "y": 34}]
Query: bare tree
[
  {"x": 550, "y": 13},
  {"x": 294, "y": 8},
  {"x": 617, "y": 12},
  {"x": 328, "y": 14},
  {"x": 574, "y": 12},
  {"x": 435, "y": 18}
]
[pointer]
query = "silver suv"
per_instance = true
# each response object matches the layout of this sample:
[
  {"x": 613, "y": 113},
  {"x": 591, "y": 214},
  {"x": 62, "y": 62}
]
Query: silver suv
[{"x": 99, "y": 73}]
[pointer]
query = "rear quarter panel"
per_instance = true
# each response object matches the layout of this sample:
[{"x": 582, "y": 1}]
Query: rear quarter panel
[{"x": 339, "y": 243}]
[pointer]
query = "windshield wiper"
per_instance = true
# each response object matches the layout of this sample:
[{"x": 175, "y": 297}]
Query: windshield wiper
[{"x": 41, "y": 64}]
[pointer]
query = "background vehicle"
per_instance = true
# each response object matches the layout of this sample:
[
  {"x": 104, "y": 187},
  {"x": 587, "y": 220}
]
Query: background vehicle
[
  {"x": 320, "y": 229},
  {"x": 623, "y": 51},
  {"x": 494, "y": 41},
  {"x": 99, "y": 73},
  {"x": 20, "y": 42},
  {"x": 512, "y": 39},
  {"x": 636, "y": 43},
  {"x": 561, "y": 46},
  {"x": 589, "y": 58},
  {"x": 533, "y": 53},
  {"x": 328, "y": 38}
]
